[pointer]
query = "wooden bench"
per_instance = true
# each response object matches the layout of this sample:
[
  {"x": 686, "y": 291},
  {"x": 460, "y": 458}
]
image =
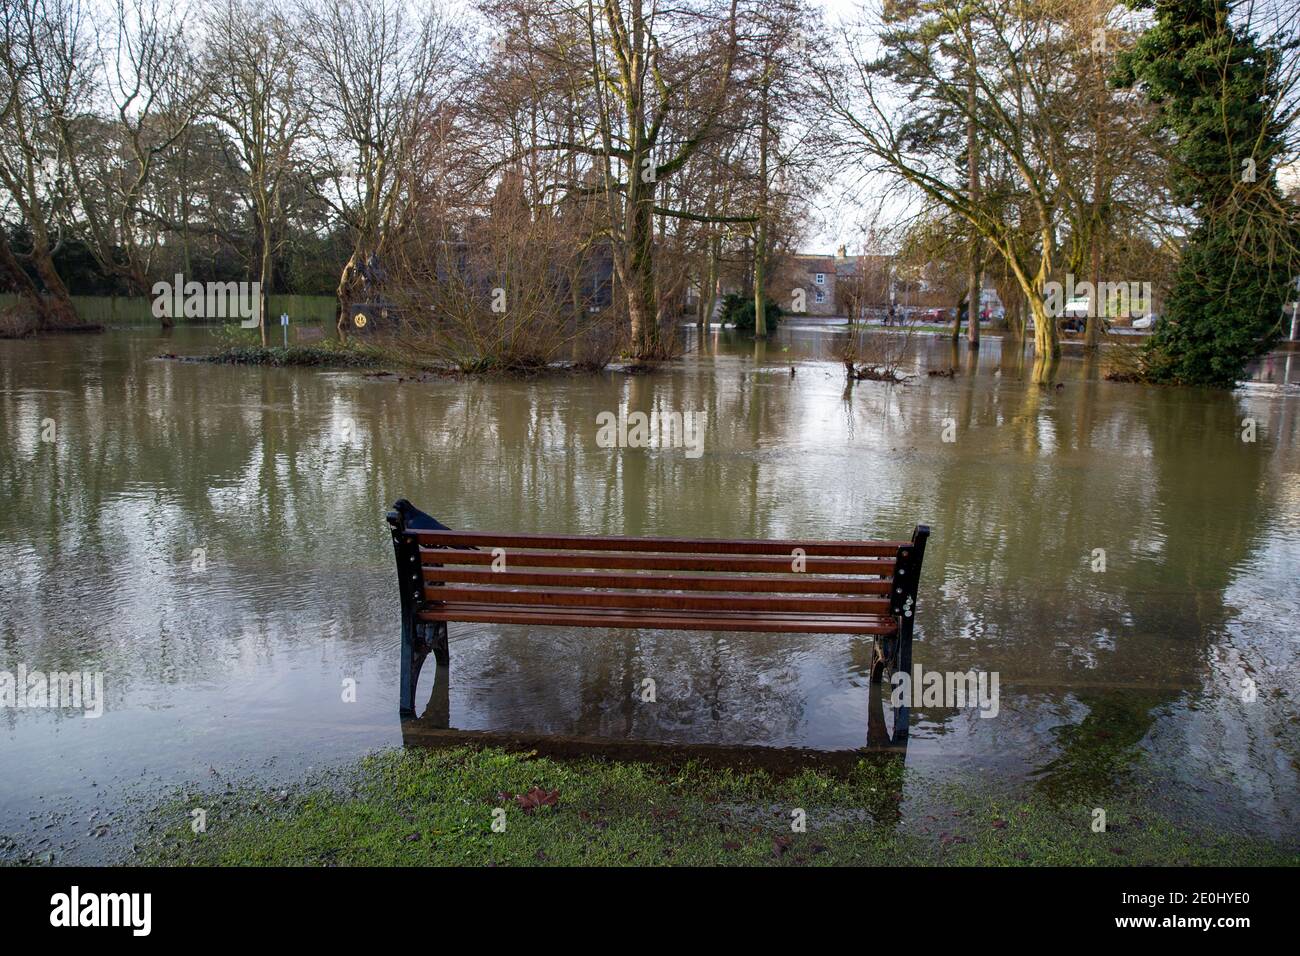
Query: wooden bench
[{"x": 685, "y": 584}]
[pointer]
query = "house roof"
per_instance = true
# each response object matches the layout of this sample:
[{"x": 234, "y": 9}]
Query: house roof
[
  {"x": 840, "y": 265},
  {"x": 815, "y": 263}
]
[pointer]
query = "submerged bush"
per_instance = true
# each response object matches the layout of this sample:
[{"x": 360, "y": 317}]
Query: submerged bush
[
  {"x": 514, "y": 290},
  {"x": 738, "y": 310},
  {"x": 297, "y": 355}
]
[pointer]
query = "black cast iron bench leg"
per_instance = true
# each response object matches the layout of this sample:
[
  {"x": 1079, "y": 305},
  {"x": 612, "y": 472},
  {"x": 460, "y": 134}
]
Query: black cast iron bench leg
[
  {"x": 419, "y": 638},
  {"x": 902, "y": 596}
]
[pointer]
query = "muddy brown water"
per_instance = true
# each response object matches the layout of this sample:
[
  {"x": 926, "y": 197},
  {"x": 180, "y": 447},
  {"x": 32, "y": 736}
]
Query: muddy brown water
[{"x": 211, "y": 540}]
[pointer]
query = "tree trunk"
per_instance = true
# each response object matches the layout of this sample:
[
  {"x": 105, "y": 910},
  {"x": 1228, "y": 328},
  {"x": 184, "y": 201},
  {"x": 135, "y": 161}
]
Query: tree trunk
[
  {"x": 344, "y": 296},
  {"x": 264, "y": 279},
  {"x": 18, "y": 278},
  {"x": 973, "y": 185},
  {"x": 1092, "y": 330},
  {"x": 641, "y": 298},
  {"x": 186, "y": 251},
  {"x": 709, "y": 299},
  {"x": 760, "y": 236},
  {"x": 1047, "y": 345},
  {"x": 1047, "y": 342},
  {"x": 58, "y": 311}
]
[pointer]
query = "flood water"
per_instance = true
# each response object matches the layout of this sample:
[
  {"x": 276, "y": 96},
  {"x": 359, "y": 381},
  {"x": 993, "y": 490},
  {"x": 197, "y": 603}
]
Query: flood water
[{"x": 212, "y": 540}]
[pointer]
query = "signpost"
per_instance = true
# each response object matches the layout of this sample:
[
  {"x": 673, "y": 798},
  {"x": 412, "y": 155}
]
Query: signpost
[{"x": 284, "y": 324}]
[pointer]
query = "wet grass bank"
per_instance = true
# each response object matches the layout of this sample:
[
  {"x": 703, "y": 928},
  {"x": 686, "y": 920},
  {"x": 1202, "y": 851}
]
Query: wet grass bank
[
  {"x": 294, "y": 356},
  {"x": 419, "y": 808},
  {"x": 387, "y": 361}
]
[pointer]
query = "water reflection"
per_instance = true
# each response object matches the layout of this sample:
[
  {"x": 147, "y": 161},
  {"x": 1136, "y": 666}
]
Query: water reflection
[{"x": 213, "y": 540}]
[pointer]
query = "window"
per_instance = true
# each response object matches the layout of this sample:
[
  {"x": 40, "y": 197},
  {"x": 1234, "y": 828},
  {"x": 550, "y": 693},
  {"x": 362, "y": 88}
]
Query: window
[
  {"x": 821, "y": 296},
  {"x": 821, "y": 278}
]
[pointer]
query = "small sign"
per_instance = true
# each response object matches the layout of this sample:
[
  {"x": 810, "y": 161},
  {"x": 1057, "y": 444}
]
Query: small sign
[{"x": 284, "y": 318}]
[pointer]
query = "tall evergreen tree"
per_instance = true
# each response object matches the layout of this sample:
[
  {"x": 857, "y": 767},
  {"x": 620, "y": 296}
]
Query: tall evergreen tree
[{"x": 1217, "y": 89}]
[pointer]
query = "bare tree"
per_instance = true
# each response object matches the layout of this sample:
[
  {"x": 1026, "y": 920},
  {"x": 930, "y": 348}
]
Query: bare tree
[
  {"x": 259, "y": 94},
  {"x": 484, "y": 279},
  {"x": 775, "y": 46},
  {"x": 45, "y": 78},
  {"x": 646, "y": 85},
  {"x": 929, "y": 51},
  {"x": 152, "y": 91},
  {"x": 379, "y": 69}
]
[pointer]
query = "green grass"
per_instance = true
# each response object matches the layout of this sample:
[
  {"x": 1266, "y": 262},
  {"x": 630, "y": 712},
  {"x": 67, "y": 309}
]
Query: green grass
[{"x": 419, "y": 808}]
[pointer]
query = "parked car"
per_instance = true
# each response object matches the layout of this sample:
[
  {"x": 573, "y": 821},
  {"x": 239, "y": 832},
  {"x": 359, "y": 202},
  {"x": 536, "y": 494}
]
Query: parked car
[
  {"x": 1074, "y": 317},
  {"x": 1146, "y": 321}
]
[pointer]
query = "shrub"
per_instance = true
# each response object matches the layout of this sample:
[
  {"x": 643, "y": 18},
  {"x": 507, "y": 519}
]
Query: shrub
[{"x": 738, "y": 311}]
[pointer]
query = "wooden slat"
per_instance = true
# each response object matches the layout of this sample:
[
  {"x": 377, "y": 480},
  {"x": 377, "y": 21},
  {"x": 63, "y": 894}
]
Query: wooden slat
[
  {"x": 781, "y": 618},
  {"x": 658, "y": 601},
  {"x": 658, "y": 562},
  {"x": 663, "y": 620},
  {"x": 552, "y": 542},
  {"x": 791, "y": 584}
]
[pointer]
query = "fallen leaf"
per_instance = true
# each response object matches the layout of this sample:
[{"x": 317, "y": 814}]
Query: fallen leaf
[{"x": 537, "y": 797}]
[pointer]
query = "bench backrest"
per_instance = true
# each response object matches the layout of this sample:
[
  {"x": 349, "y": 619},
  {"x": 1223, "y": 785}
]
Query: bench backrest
[{"x": 685, "y": 583}]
